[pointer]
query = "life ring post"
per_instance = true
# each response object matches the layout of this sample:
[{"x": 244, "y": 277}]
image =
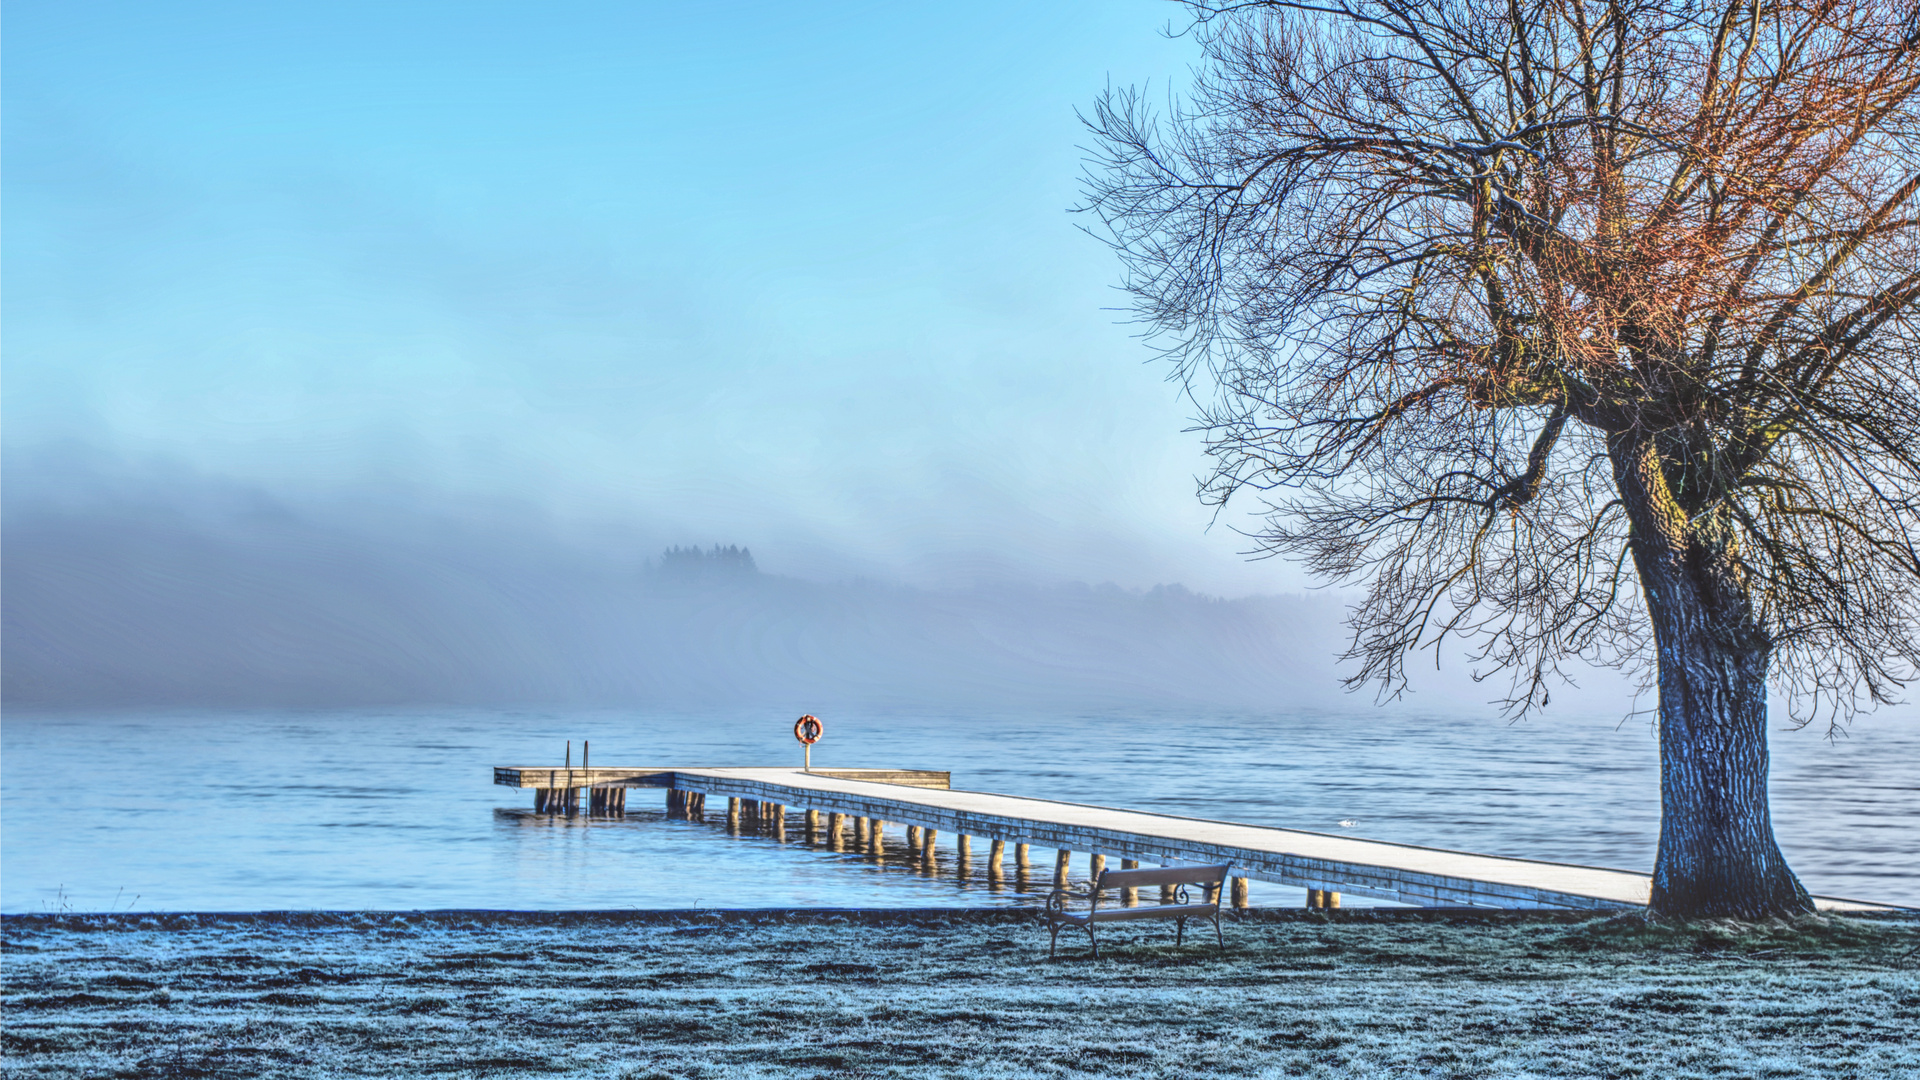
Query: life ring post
[{"x": 807, "y": 729}]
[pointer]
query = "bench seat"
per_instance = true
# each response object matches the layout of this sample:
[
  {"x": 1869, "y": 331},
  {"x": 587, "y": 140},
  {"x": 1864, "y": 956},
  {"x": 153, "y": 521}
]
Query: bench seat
[
  {"x": 1156, "y": 911},
  {"x": 1212, "y": 878}
]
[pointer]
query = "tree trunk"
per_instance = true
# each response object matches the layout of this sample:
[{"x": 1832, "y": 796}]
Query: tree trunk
[{"x": 1717, "y": 853}]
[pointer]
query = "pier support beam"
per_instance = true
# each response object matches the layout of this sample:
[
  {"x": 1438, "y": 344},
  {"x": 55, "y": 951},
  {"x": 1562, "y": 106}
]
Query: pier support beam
[
  {"x": 962, "y": 854},
  {"x": 1060, "y": 869},
  {"x": 927, "y": 839},
  {"x": 996, "y": 851},
  {"x": 1240, "y": 892},
  {"x": 779, "y": 814},
  {"x": 813, "y": 826},
  {"x": 1096, "y": 865},
  {"x": 1129, "y": 897},
  {"x": 914, "y": 841},
  {"x": 733, "y": 814},
  {"x": 1020, "y": 861},
  {"x": 1323, "y": 898}
]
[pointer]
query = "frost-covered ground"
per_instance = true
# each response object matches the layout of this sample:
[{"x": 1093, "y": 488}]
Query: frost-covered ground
[{"x": 952, "y": 995}]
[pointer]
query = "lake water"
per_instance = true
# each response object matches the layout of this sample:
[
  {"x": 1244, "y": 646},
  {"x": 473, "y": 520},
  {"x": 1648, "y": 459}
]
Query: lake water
[{"x": 394, "y": 810}]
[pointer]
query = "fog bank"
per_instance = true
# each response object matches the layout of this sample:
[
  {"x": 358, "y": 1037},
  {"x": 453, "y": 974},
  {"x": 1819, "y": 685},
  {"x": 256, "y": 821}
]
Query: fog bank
[{"x": 179, "y": 591}]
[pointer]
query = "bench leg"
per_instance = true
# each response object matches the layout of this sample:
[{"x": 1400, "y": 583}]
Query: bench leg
[
  {"x": 1218, "y": 935},
  {"x": 1179, "y": 931},
  {"x": 1094, "y": 941},
  {"x": 1053, "y": 943}
]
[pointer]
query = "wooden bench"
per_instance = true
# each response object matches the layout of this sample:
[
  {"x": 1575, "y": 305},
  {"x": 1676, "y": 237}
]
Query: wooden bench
[{"x": 1211, "y": 879}]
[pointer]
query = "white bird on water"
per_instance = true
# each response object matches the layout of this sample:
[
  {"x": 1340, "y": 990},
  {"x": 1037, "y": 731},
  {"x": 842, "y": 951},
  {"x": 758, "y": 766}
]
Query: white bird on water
[{"x": 1348, "y": 823}]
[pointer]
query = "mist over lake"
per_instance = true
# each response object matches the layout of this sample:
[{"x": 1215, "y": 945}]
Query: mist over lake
[{"x": 126, "y": 593}]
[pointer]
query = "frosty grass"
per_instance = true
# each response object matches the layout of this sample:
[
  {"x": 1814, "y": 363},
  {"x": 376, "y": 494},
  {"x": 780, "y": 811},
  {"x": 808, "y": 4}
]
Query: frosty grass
[{"x": 952, "y": 994}]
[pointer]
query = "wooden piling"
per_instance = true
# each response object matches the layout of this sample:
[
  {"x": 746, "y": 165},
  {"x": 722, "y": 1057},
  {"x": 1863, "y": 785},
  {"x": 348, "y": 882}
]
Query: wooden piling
[
  {"x": 927, "y": 839},
  {"x": 862, "y": 830},
  {"x": 996, "y": 851},
  {"x": 813, "y": 826},
  {"x": 1060, "y": 869},
  {"x": 913, "y": 841},
  {"x": 962, "y": 854},
  {"x": 836, "y": 825},
  {"x": 1020, "y": 862},
  {"x": 779, "y": 814},
  {"x": 1330, "y": 899},
  {"x": 1240, "y": 892},
  {"x": 733, "y": 814},
  {"x": 877, "y": 837},
  {"x": 1129, "y": 897},
  {"x": 1096, "y": 864}
]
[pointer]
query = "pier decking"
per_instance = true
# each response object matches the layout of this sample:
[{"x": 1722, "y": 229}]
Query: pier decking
[{"x": 1315, "y": 861}]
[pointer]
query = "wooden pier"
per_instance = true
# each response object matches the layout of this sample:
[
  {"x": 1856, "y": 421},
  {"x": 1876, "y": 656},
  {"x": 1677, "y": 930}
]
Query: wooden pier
[{"x": 850, "y": 809}]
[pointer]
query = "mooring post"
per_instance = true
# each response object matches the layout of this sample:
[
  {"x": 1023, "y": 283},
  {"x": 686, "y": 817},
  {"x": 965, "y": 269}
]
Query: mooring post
[
  {"x": 1060, "y": 869},
  {"x": 1130, "y": 896},
  {"x": 1240, "y": 892}
]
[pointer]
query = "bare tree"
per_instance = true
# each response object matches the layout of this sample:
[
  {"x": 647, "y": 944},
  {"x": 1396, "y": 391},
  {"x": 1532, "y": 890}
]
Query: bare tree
[{"x": 1571, "y": 328}]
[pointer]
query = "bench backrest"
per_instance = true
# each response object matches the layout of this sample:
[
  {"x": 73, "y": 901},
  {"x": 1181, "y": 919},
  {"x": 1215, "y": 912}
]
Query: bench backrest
[{"x": 1163, "y": 875}]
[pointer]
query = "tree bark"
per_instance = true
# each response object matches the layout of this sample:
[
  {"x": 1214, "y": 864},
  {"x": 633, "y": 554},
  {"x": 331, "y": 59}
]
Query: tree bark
[{"x": 1717, "y": 856}]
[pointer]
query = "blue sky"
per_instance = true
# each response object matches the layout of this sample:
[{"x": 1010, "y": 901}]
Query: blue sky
[{"x": 794, "y": 276}]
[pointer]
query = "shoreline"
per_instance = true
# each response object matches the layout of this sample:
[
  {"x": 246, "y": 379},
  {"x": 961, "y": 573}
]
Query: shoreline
[{"x": 864, "y": 916}]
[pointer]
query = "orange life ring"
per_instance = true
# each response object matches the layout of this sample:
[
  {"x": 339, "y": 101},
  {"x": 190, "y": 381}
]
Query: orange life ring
[{"x": 807, "y": 729}]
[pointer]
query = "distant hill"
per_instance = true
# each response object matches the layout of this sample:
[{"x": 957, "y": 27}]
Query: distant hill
[{"x": 230, "y": 598}]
